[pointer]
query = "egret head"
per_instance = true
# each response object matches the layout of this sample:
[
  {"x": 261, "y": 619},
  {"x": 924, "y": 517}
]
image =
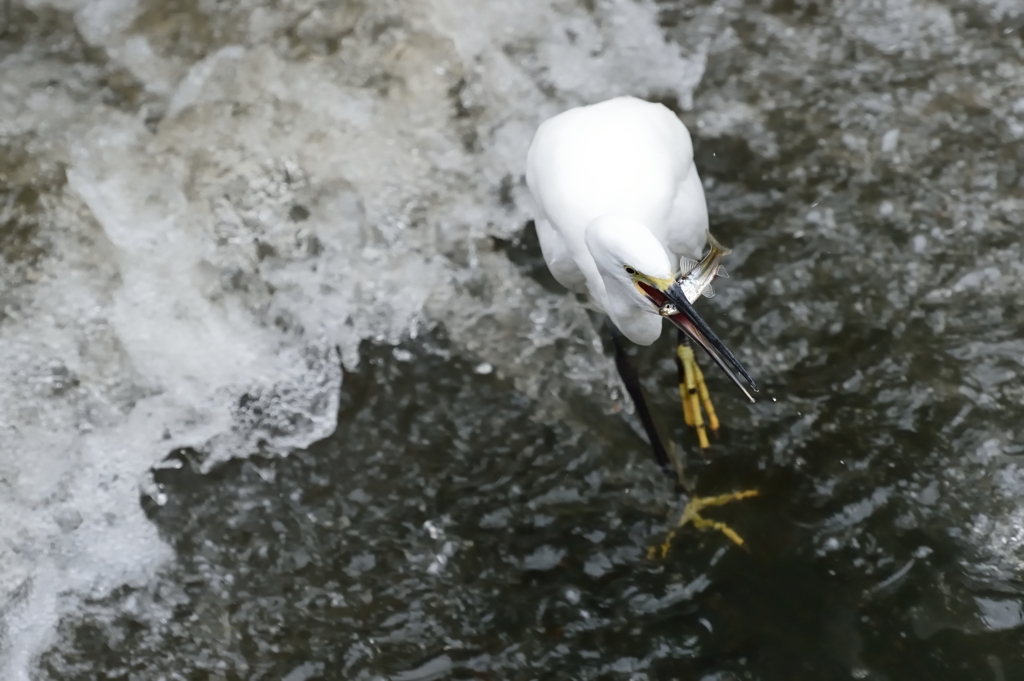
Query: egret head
[
  {"x": 631, "y": 262},
  {"x": 638, "y": 280}
]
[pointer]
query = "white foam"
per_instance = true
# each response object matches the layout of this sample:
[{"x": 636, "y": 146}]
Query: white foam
[{"x": 179, "y": 295}]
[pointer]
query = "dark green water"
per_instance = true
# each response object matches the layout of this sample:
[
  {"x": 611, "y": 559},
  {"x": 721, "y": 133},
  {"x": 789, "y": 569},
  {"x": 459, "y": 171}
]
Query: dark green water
[
  {"x": 865, "y": 160},
  {"x": 323, "y": 559}
]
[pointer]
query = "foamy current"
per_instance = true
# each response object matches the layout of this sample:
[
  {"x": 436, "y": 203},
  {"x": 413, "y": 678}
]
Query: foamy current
[
  {"x": 264, "y": 200},
  {"x": 209, "y": 209}
]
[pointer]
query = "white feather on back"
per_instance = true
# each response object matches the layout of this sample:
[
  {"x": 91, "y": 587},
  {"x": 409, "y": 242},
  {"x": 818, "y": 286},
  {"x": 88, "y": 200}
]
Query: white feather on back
[{"x": 625, "y": 158}]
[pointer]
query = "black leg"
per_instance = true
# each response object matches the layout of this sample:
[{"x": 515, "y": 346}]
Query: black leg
[
  {"x": 629, "y": 377},
  {"x": 683, "y": 339}
]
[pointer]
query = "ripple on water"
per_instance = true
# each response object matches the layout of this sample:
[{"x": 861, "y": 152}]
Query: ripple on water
[{"x": 205, "y": 209}]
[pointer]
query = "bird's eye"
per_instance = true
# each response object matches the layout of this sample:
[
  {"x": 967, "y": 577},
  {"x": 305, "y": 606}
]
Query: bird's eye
[{"x": 630, "y": 270}]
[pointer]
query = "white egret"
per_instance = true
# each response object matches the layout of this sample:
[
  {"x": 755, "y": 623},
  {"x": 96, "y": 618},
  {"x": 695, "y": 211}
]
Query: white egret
[{"x": 618, "y": 201}]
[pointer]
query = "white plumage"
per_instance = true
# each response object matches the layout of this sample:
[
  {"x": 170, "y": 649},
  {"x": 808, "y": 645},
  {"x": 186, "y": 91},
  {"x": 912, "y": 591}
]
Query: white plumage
[
  {"x": 619, "y": 202},
  {"x": 615, "y": 187}
]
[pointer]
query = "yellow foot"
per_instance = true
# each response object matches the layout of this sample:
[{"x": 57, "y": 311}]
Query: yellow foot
[
  {"x": 694, "y": 394},
  {"x": 692, "y": 514}
]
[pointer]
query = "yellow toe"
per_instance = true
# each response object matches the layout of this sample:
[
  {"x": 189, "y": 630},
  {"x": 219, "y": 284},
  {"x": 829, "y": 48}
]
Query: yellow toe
[{"x": 691, "y": 514}]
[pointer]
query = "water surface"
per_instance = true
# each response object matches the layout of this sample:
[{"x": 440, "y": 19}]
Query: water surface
[{"x": 288, "y": 394}]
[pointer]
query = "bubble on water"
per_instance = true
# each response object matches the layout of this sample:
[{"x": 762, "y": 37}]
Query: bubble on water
[
  {"x": 544, "y": 558},
  {"x": 433, "y": 529},
  {"x": 401, "y": 355},
  {"x": 441, "y": 559}
]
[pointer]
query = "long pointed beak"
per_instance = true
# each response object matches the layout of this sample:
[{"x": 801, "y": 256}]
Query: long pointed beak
[{"x": 691, "y": 323}]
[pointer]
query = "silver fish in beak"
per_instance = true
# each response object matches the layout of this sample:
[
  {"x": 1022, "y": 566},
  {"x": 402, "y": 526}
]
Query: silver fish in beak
[
  {"x": 693, "y": 282},
  {"x": 695, "y": 277}
]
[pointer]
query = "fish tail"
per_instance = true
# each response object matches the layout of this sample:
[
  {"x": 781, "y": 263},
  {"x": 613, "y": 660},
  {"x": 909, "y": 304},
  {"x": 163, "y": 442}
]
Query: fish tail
[{"x": 715, "y": 246}]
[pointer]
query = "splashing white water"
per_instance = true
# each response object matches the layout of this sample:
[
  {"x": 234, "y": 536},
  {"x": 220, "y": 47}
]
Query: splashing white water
[{"x": 202, "y": 273}]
